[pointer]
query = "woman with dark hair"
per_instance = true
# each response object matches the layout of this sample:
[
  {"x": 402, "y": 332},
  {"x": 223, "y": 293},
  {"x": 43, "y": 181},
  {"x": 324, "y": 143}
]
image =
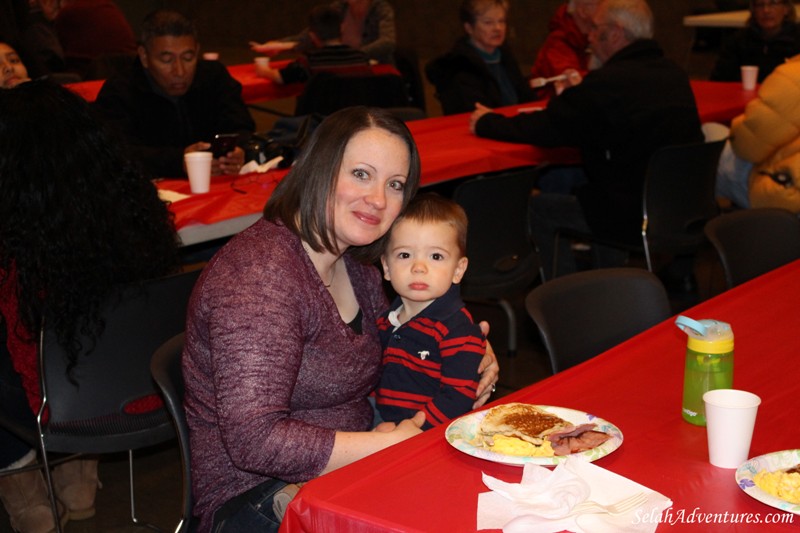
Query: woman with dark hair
[
  {"x": 282, "y": 345},
  {"x": 480, "y": 68},
  {"x": 770, "y": 37},
  {"x": 76, "y": 219}
]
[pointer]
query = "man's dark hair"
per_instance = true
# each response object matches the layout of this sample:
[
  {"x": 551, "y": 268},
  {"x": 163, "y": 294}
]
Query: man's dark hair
[
  {"x": 163, "y": 22},
  {"x": 325, "y": 22}
]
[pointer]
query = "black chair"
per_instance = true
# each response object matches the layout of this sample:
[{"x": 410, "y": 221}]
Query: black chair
[
  {"x": 751, "y": 242},
  {"x": 583, "y": 314},
  {"x": 502, "y": 258},
  {"x": 165, "y": 366},
  {"x": 678, "y": 199},
  {"x": 328, "y": 91},
  {"x": 91, "y": 408},
  {"x": 406, "y": 60}
]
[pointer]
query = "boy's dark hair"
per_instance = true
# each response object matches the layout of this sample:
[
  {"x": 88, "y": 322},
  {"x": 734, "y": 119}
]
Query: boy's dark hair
[
  {"x": 325, "y": 22},
  {"x": 431, "y": 207}
]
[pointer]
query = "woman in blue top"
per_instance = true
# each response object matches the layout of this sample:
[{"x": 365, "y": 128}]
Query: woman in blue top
[{"x": 480, "y": 68}]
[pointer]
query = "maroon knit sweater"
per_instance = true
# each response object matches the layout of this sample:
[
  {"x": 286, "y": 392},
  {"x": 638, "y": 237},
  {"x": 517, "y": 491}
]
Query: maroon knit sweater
[{"x": 271, "y": 369}]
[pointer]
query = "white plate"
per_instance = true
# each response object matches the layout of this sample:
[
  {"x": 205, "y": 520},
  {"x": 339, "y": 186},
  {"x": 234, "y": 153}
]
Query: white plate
[
  {"x": 770, "y": 462},
  {"x": 462, "y": 431}
]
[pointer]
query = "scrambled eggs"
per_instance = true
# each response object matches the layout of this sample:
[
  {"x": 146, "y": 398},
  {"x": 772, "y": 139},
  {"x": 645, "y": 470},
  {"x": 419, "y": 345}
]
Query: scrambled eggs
[
  {"x": 781, "y": 484},
  {"x": 514, "y": 446}
]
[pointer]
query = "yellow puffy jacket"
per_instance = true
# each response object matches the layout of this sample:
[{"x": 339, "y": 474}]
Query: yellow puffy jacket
[{"x": 768, "y": 135}]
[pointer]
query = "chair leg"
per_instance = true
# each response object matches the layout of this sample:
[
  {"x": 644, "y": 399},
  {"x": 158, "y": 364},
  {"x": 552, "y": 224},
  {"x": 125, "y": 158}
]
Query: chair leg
[
  {"x": 554, "y": 272},
  {"x": 135, "y": 520},
  {"x": 512, "y": 326},
  {"x": 647, "y": 252}
]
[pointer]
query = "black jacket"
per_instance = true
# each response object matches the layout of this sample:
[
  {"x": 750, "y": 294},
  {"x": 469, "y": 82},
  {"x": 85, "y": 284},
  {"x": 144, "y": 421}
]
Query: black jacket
[
  {"x": 462, "y": 78},
  {"x": 618, "y": 116},
  {"x": 158, "y": 129},
  {"x": 749, "y": 47}
]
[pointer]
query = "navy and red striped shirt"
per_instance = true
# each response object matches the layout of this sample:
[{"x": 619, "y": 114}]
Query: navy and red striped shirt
[{"x": 430, "y": 363}]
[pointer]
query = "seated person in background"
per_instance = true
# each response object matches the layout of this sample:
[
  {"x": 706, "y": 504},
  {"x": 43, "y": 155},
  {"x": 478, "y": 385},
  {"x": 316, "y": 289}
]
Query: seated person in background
[
  {"x": 88, "y": 30},
  {"x": 367, "y": 25},
  {"x": 168, "y": 102},
  {"x": 566, "y": 47},
  {"x": 39, "y": 47},
  {"x": 770, "y": 37},
  {"x": 431, "y": 346},
  {"x": 480, "y": 68},
  {"x": 760, "y": 166},
  {"x": 324, "y": 27},
  {"x": 618, "y": 116},
  {"x": 11, "y": 68}
]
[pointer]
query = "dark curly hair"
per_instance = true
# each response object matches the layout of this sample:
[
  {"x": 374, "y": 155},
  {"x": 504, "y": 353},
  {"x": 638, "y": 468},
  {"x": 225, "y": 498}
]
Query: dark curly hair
[{"x": 76, "y": 216}]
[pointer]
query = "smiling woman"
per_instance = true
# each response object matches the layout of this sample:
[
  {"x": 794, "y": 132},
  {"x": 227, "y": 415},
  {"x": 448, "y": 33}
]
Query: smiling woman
[{"x": 282, "y": 344}]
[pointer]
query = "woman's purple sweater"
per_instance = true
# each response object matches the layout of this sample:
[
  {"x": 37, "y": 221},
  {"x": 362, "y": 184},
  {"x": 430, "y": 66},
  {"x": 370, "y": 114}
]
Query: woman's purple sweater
[{"x": 271, "y": 369}]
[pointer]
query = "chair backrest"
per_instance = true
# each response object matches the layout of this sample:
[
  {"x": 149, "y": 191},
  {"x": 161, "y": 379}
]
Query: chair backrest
[
  {"x": 327, "y": 92},
  {"x": 165, "y": 366},
  {"x": 752, "y": 242},
  {"x": 584, "y": 314},
  {"x": 501, "y": 254},
  {"x": 108, "y": 402},
  {"x": 679, "y": 195}
]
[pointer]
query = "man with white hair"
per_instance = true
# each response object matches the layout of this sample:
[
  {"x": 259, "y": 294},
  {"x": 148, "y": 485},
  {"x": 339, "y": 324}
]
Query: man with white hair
[
  {"x": 566, "y": 47},
  {"x": 618, "y": 116}
]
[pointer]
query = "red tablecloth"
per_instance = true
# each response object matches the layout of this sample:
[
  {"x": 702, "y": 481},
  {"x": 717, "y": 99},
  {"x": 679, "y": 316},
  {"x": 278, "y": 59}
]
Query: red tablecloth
[
  {"x": 447, "y": 151},
  {"x": 254, "y": 89},
  {"x": 719, "y": 101},
  {"x": 424, "y": 484}
]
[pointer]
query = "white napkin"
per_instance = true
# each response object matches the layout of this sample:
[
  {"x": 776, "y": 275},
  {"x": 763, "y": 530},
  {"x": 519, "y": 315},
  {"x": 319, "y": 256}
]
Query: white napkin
[
  {"x": 543, "y": 500},
  {"x": 252, "y": 166},
  {"x": 171, "y": 196}
]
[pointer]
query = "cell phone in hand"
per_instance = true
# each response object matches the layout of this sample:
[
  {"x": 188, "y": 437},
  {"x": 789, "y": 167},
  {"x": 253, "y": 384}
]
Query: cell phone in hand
[{"x": 223, "y": 143}]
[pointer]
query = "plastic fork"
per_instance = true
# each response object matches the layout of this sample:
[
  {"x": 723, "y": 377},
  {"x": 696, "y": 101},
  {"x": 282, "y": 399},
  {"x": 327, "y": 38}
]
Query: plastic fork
[
  {"x": 616, "y": 508},
  {"x": 535, "y": 83}
]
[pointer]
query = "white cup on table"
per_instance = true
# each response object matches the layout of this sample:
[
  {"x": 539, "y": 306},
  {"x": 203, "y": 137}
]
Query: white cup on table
[
  {"x": 198, "y": 167},
  {"x": 262, "y": 61},
  {"x": 749, "y": 77},
  {"x": 730, "y": 418}
]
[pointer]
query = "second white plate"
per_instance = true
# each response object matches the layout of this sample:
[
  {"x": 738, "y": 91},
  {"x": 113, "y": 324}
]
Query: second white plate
[{"x": 770, "y": 462}]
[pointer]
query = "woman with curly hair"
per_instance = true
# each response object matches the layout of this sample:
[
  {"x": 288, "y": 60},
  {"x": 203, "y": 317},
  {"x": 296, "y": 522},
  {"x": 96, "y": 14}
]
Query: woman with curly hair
[{"x": 77, "y": 218}]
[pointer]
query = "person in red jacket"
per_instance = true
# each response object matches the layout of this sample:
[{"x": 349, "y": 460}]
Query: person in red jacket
[
  {"x": 566, "y": 47},
  {"x": 89, "y": 30}
]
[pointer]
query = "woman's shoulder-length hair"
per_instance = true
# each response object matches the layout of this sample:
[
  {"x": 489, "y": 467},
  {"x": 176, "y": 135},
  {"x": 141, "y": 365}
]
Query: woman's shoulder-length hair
[{"x": 302, "y": 200}]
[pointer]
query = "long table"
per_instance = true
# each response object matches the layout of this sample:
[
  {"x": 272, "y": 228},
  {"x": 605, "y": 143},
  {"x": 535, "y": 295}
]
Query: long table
[
  {"x": 723, "y": 19},
  {"x": 254, "y": 88},
  {"x": 424, "y": 484},
  {"x": 447, "y": 150}
]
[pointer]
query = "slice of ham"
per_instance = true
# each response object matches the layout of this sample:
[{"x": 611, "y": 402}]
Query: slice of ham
[{"x": 576, "y": 439}]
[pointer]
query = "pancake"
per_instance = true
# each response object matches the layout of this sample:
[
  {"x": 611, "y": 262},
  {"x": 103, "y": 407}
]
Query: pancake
[{"x": 527, "y": 422}]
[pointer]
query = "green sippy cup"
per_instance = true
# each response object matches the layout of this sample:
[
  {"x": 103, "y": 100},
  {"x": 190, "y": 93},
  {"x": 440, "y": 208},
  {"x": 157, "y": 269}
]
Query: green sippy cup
[{"x": 709, "y": 363}]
